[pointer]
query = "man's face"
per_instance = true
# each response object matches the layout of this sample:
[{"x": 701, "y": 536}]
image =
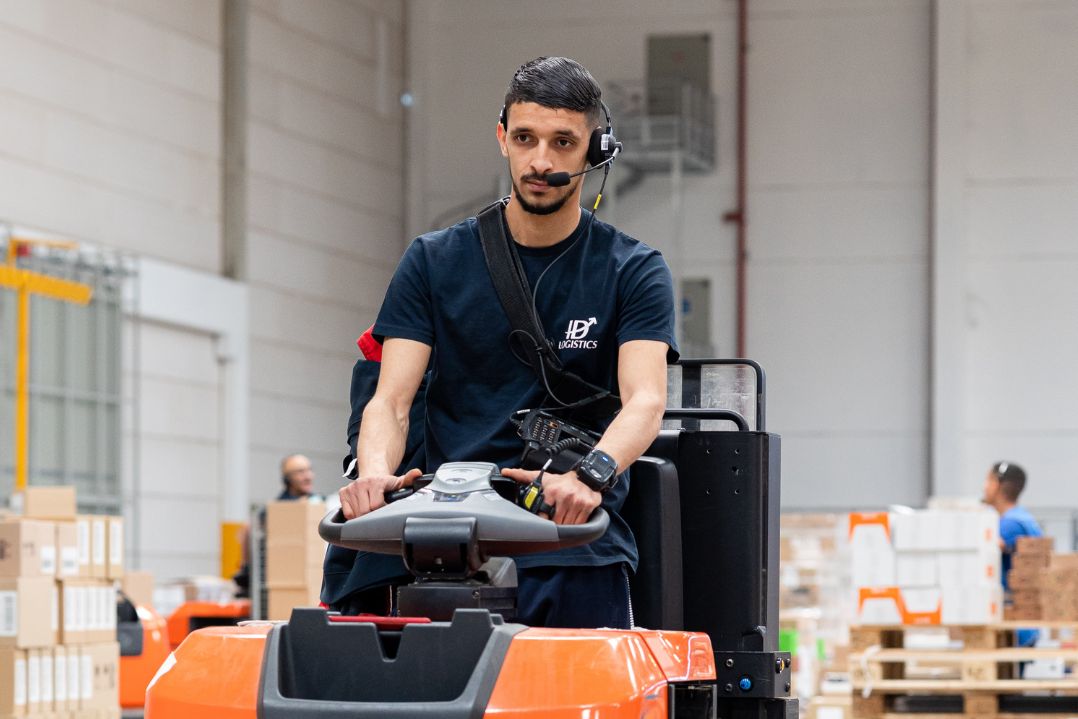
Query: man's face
[
  {"x": 991, "y": 488},
  {"x": 541, "y": 140},
  {"x": 300, "y": 475}
]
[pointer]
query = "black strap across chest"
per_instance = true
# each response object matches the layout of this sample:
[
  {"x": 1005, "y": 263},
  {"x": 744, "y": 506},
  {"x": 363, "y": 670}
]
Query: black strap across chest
[{"x": 506, "y": 272}]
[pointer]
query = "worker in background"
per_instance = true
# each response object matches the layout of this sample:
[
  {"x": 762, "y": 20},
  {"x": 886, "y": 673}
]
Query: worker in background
[
  {"x": 298, "y": 479},
  {"x": 297, "y": 476},
  {"x": 1002, "y": 486}
]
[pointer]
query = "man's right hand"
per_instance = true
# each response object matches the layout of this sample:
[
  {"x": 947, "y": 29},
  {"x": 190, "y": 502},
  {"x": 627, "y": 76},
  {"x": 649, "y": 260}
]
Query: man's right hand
[{"x": 367, "y": 494}]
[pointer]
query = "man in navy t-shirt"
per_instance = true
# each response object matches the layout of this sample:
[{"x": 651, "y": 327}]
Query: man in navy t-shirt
[{"x": 605, "y": 301}]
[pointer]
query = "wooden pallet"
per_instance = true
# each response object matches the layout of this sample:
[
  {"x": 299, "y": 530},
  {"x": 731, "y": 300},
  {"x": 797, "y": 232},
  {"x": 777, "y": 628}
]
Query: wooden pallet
[{"x": 882, "y": 670}]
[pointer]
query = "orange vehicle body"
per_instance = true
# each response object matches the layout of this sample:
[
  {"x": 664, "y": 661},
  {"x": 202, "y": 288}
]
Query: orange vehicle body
[
  {"x": 551, "y": 673},
  {"x": 136, "y": 672},
  {"x": 179, "y": 622}
]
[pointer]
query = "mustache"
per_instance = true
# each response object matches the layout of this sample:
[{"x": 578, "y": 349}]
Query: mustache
[{"x": 533, "y": 176}]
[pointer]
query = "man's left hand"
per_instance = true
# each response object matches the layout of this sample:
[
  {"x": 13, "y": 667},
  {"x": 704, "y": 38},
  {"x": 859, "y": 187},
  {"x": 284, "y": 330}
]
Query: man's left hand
[{"x": 573, "y": 501}]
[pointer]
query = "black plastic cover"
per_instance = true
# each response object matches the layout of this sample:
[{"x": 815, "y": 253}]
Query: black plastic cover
[
  {"x": 652, "y": 510},
  {"x": 315, "y": 669}
]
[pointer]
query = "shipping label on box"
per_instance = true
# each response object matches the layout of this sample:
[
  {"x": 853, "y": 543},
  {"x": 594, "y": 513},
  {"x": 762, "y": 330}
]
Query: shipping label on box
[
  {"x": 59, "y": 659},
  {"x": 12, "y": 682},
  {"x": 74, "y": 675},
  {"x": 48, "y": 696},
  {"x": 82, "y": 528},
  {"x": 27, "y": 548},
  {"x": 114, "y": 568},
  {"x": 26, "y": 612},
  {"x": 67, "y": 550},
  {"x": 98, "y": 546},
  {"x": 33, "y": 681}
]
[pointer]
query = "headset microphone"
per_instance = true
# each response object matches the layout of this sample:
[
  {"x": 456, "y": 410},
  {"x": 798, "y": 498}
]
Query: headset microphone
[{"x": 561, "y": 179}]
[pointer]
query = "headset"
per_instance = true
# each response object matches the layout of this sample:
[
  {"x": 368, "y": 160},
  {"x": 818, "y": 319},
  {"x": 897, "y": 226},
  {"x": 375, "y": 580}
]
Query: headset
[{"x": 603, "y": 148}]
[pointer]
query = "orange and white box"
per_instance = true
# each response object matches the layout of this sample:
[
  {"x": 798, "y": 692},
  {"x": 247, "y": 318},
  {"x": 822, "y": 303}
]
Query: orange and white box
[{"x": 871, "y": 551}]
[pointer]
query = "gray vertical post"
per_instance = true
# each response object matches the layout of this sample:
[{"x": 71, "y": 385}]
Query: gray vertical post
[{"x": 234, "y": 139}]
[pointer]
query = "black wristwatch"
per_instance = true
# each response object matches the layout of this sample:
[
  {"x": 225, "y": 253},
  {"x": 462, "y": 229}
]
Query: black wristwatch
[{"x": 597, "y": 470}]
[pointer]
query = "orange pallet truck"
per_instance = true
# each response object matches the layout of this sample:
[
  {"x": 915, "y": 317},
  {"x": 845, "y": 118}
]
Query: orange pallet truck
[
  {"x": 193, "y": 615},
  {"x": 704, "y": 507},
  {"x": 144, "y": 647}
]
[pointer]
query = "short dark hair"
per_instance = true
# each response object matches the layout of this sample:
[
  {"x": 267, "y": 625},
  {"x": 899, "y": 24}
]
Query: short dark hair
[
  {"x": 1012, "y": 479},
  {"x": 558, "y": 83}
]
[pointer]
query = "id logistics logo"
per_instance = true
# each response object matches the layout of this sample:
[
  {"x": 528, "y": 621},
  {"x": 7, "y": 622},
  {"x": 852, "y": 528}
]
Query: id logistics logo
[{"x": 576, "y": 333}]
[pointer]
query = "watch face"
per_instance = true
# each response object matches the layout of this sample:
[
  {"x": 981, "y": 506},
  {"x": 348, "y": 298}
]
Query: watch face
[{"x": 600, "y": 469}]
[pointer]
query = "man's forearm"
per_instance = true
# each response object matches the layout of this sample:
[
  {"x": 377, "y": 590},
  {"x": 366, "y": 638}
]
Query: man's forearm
[
  {"x": 633, "y": 430},
  {"x": 382, "y": 437}
]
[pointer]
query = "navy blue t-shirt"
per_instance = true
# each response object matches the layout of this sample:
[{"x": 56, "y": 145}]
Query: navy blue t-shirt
[{"x": 607, "y": 289}]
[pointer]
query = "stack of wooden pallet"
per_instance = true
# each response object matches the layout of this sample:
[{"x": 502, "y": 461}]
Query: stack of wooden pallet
[{"x": 975, "y": 674}]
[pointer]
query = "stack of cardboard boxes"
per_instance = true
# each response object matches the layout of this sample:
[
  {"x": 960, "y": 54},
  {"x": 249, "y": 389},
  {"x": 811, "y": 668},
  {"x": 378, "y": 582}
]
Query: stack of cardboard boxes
[
  {"x": 1028, "y": 564},
  {"x": 1043, "y": 586},
  {"x": 926, "y": 567},
  {"x": 294, "y": 554},
  {"x": 58, "y": 651}
]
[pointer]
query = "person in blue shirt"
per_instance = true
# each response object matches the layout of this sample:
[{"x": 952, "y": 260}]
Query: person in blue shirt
[
  {"x": 605, "y": 301},
  {"x": 1002, "y": 487}
]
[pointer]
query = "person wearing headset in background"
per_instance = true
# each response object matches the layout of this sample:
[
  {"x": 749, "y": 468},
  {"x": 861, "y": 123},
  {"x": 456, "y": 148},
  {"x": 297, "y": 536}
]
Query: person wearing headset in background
[
  {"x": 1002, "y": 486},
  {"x": 298, "y": 479},
  {"x": 606, "y": 301}
]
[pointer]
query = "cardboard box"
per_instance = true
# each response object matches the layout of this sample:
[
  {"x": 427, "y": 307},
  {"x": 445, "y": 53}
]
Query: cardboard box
[
  {"x": 88, "y": 611},
  {"x": 27, "y": 548},
  {"x": 294, "y": 522},
  {"x": 283, "y": 600},
  {"x": 27, "y": 612},
  {"x": 138, "y": 586},
  {"x": 67, "y": 550},
  {"x": 45, "y": 502},
  {"x": 99, "y": 680},
  {"x": 1034, "y": 545},
  {"x": 12, "y": 682},
  {"x": 114, "y": 556},
  {"x": 292, "y": 565},
  {"x": 1024, "y": 561}
]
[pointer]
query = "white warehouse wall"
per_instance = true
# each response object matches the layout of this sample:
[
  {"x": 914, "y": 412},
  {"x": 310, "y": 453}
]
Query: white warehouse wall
[
  {"x": 839, "y": 127},
  {"x": 325, "y": 216},
  {"x": 110, "y": 134},
  {"x": 1019, "y": 201}
]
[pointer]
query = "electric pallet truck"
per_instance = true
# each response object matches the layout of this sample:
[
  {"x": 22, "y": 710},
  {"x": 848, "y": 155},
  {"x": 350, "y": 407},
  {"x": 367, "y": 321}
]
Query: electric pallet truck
[{"x": 704, "y": 506}]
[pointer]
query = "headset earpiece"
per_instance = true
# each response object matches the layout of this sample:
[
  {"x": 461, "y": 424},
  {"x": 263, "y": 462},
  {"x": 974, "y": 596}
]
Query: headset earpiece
[{"x": 601, "y": 144}]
